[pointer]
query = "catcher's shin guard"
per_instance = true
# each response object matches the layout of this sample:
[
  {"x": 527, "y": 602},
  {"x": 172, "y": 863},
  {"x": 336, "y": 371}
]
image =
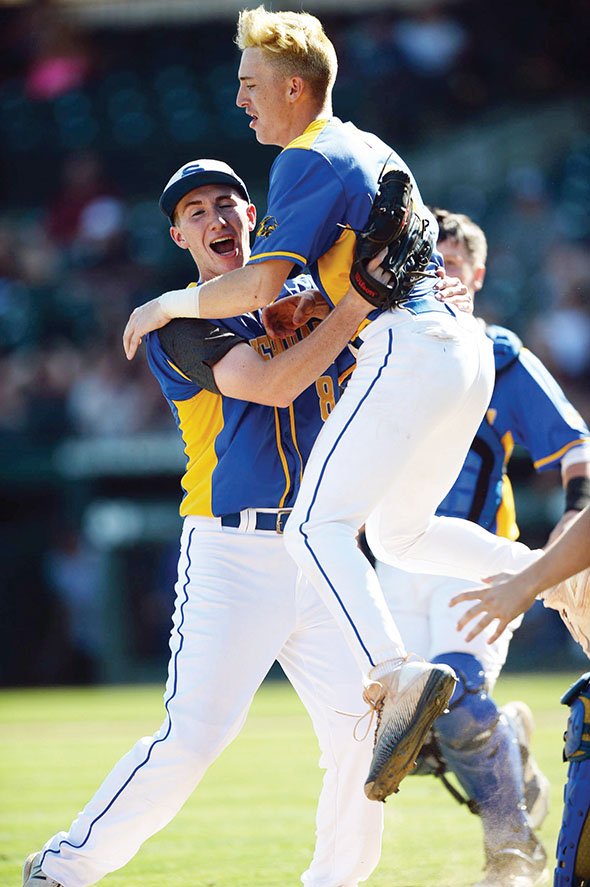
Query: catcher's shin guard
[
  {"x": 480, "y": 748},
  {"x": 573, "y": 843}
]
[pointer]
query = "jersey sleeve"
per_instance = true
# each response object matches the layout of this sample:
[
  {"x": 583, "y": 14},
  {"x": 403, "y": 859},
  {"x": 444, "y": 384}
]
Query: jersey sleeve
[
  {"x": 542, "y": 419},
  {"x": 193, "y": 347},
  {"x": 306, "y": 202}
]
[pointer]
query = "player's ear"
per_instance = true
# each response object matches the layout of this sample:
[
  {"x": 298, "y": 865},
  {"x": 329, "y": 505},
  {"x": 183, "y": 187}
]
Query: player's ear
[
  {"x": 296, "y": 85},
  {"x": 479, "y": 273},
  {"x": 178, "y": 237},
  {"x": 251, "y": 215}
]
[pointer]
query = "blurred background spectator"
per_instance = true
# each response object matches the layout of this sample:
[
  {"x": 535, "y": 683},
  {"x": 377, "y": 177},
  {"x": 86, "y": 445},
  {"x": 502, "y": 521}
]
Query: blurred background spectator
[{"x": 99, "y": 103}]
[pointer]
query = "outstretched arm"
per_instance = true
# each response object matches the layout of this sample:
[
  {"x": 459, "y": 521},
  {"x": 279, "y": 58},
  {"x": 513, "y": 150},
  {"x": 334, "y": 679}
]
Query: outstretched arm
[
  {"x": 239, "y": 291},
  {"x": 509, "y": 596},
  {"x": 576, "y": 483}
]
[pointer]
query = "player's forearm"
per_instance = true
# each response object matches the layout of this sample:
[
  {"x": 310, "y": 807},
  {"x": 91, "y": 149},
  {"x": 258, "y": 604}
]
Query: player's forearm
[
  {"x": 568, "y": 555},
  {"x": 295, "y": 369},
  {"x": 576, "y": 484},
  {"x": 237, "y": 292}
]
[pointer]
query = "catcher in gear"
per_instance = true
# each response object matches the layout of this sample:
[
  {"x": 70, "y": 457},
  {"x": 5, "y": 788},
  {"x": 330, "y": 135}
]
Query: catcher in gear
[{"x": 561, "y": 578}]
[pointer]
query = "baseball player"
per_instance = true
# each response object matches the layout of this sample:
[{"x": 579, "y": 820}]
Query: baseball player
[
  {"x": 247, "y": 423},
  {"x": 397, "y": 438},
  {"x": 475, "y": 740},
  {"x": 562, "y": 579}
]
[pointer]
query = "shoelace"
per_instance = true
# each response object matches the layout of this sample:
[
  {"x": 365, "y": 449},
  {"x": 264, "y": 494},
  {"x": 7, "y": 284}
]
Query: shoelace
[{"x": 375, "y": 707}]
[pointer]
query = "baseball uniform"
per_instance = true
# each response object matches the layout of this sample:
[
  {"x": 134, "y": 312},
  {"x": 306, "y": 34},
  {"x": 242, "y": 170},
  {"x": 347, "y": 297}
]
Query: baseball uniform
[
  {"x": 396, "y": 440},
  {"x": 239, "y": 605}
]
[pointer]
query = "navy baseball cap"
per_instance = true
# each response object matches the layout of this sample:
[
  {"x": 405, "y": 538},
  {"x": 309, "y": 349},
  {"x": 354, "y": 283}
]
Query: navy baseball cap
[{"x": 194, "y": 174}]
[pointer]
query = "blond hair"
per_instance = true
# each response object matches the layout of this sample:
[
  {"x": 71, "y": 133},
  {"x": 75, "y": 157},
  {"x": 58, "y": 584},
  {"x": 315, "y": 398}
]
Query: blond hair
[
  {"x": 459, "y": 227},
  {"x": 296, "y": 41}
]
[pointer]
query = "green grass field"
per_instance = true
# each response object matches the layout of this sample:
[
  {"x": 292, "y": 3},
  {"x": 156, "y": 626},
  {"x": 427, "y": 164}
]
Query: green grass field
[{"x": 251, "y": 821}]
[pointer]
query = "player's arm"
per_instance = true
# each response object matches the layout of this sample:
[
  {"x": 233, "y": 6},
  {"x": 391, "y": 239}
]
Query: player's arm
[
  {"x": 509, "y": 596},
  {"x": 237, "y": 292},
  {"x": 575, "y": 478},
  {"x": 283, "y": 317},
  {"x": 245, "y": 375}
]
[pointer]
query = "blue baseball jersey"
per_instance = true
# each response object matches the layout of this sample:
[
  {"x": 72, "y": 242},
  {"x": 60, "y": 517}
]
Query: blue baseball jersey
[
  {"x": 527, "y": 408},
  {"x": 240, "y": 454},
  {"x": 321, "y": 189}
]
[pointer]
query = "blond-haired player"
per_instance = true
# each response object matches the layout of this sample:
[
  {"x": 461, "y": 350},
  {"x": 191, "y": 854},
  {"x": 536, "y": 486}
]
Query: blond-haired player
[{"x": 397, "y": 438}]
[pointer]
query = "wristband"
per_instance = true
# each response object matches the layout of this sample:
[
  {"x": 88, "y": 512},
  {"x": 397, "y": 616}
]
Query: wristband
[
  {"x": 577, "y": 493},
  {"x": 181, "y": 303}
]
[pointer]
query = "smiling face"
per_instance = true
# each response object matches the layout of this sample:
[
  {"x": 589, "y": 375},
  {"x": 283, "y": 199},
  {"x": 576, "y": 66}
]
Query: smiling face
[
  {"x": 268, "y": 97},
  {"x": 214, "y": 223}
]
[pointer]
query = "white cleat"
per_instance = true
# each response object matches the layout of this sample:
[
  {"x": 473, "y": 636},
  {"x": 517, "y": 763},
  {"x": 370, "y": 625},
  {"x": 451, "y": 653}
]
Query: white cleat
[
  {"x": 536, "y": 785},
  {"x": 524, "y": 866},
  {"x": 34, "y": 876},
  {"x": 408, "y": 698}
]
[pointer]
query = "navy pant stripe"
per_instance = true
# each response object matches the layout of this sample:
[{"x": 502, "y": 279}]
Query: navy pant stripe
[
  {"x": 315, "y": 493},
  {"x": 156, "y": 741}
]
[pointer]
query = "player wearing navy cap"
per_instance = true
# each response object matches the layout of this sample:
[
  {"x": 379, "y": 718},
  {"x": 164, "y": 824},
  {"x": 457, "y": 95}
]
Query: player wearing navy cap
[
  {"x": 247, "y": 423},
  {"x": 397, "y": 438}
]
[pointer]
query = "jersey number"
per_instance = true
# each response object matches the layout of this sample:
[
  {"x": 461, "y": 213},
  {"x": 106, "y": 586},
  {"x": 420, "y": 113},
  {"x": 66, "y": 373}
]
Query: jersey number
[{"x": 325, "y": 389}]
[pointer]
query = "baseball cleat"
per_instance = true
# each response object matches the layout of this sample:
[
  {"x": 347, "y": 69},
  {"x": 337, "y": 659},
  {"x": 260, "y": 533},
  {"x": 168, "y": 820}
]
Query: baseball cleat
[
  {"x": 536, "y": 785},
  {"x": 524, "y": 866},
  {"x": 407, "y": 699},
  {"x": 34, "y": 876}
]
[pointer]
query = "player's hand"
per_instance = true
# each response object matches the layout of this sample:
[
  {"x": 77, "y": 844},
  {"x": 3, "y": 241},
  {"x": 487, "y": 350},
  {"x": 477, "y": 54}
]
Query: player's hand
[
  {"x": 562, "y": 525},
  {"x": 143, "y": 320},
  {"x": 451, "y": 290},
  {"x": 284, "y": 316},
  {"x": 505, "y": 599}
]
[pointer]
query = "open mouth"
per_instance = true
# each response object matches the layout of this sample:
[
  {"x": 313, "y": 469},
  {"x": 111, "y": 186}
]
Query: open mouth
[{"x": 223, "y": 246}]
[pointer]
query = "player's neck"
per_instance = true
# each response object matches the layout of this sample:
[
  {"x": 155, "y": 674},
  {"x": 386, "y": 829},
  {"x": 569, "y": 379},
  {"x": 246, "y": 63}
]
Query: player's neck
[{"x": 304, "y": 119}]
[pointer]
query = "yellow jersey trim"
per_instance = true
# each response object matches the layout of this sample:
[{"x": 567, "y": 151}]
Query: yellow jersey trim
[
  {"x": 200, "y": 420},
  {"x": 309, "y": 135},
  {"x": 176, "y": 370},
  {"x": 280, "y": 254},
  {"x": 282, "y": 457},
  {"x": 294, "y": 435},
  {"x": 334, "y": 266},
  {"x": 346, "y": 374},
  {"x": 506, "y": 525},
  {"x": 545, "y": 461}
]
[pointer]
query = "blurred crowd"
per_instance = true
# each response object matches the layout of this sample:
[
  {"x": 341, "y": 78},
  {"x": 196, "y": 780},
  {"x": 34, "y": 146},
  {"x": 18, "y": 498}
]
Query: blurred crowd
[
  {"x": 69, "y": 277},
  {"x": 81, "y": 242},
  {"x": 93, "y": 122}
]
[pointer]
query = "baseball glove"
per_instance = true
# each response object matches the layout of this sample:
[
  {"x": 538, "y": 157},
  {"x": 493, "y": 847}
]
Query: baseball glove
[{"x": 394, "y": 224}]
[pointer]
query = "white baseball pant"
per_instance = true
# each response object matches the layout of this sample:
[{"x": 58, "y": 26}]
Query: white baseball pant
[
  {"x": 239, "y": 605},
  {"x": 419, "y": 604},
  {"x": 386, "y": 457}
]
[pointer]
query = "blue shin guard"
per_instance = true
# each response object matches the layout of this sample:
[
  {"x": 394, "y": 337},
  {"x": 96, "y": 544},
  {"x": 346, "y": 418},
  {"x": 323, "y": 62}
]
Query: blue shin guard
[
  {"x": 573, "y": 844},
  {"x": 480, "y": 748}
]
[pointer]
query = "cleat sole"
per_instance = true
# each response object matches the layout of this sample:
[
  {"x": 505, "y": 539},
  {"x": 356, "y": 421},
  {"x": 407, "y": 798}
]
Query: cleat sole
[{"x": 435, "y": 699}]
